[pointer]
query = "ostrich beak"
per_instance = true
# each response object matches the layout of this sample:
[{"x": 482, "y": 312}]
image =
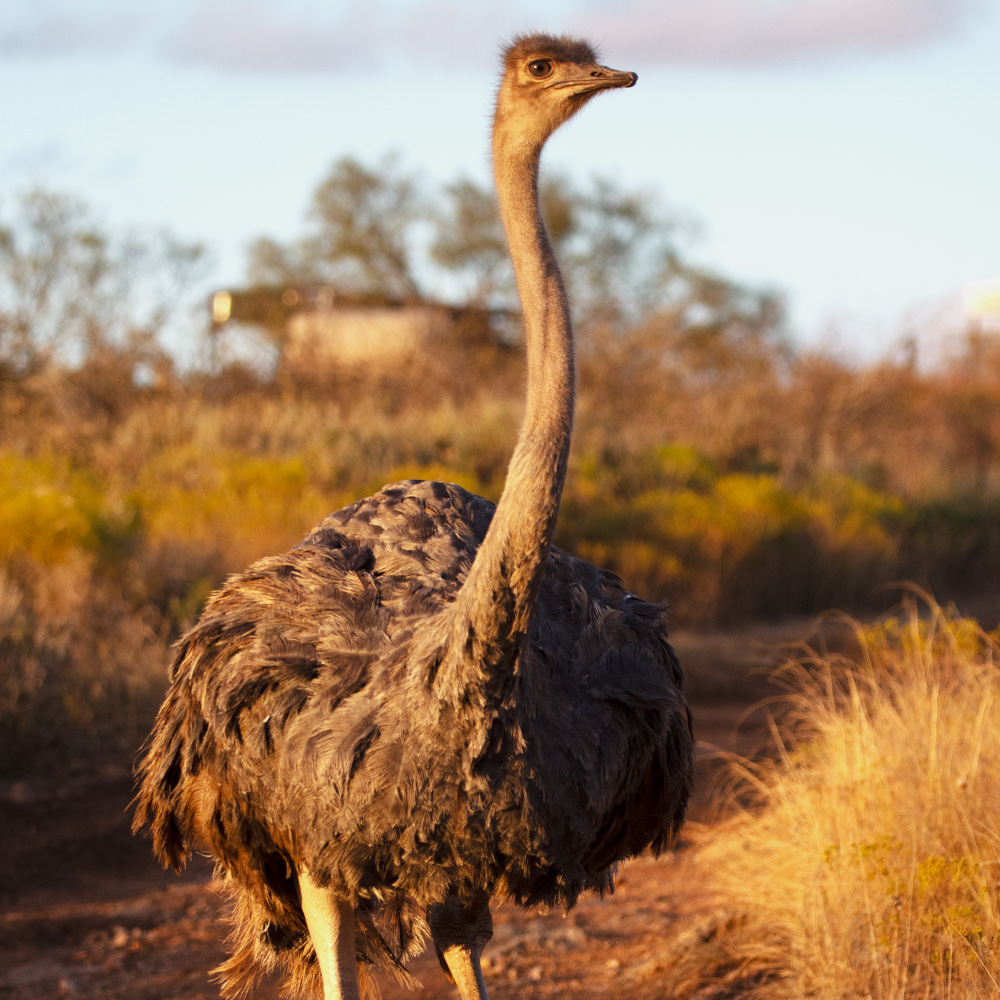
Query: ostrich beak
[
  {"x": 617, "y": 77},
  {"x": 590, "y": 79}
]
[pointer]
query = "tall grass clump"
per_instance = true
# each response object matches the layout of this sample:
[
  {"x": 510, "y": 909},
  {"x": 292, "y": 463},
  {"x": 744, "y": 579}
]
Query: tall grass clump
[{"x": 868, "y": 864}]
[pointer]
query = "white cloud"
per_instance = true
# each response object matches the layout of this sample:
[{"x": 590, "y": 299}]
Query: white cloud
[
  {"x": 765, "y": 31},
  {"x": 262, "y": 36},
  {"x": 58, "y": 27},
  {"x": 446, "y": 31},
  {"x": 307, "y": 35}
]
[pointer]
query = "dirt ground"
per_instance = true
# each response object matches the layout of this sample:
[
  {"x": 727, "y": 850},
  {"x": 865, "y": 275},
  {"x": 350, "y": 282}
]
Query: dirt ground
[{"x": 87, "y": 912}]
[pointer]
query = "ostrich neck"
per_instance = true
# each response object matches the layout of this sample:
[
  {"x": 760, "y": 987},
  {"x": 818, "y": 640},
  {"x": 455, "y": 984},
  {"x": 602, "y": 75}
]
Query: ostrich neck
[{"x": 492, "y": 612}]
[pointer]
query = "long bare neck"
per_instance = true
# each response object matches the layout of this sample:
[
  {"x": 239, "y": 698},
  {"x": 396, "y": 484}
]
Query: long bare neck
[{"x": 492, "y": 612}]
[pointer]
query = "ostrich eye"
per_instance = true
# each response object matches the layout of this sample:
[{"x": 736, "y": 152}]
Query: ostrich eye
[{"x": 540, "y": 68}]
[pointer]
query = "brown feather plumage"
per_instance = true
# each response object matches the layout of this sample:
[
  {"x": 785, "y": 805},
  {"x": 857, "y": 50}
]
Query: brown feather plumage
[{"x": 299, "y": 731}]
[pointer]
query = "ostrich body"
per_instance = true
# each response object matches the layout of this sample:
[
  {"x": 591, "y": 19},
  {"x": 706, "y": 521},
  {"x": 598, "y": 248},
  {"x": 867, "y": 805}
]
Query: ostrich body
[{"x": 424, "y": 704}]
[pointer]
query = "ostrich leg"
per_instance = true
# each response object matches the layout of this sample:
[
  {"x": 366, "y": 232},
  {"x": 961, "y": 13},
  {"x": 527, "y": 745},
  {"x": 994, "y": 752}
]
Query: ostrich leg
[
  {"x": 331, "y": 926},
  {"x": 460, "y": 933}
]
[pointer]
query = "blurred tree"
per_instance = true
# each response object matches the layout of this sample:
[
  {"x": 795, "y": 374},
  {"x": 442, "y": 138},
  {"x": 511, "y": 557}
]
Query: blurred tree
[
  {"x": 619, "y": 251},
  {"x": 70, "y": 293},
  {"x": 469, "y": 243},
  {"x": 619, "y": 254},
  {"x": 362, "y": 224},
  {"x": 715, "y": 329},
  {"x": 618, "y": 248}
]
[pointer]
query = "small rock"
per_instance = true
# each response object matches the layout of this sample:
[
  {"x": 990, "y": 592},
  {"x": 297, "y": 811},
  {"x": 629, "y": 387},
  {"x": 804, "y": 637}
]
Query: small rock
[
  {"x": 18, "y": 791},
  {"x": 486, "y": 962},
  {"x": 613, "y": 964},
  {"x": 67, "y": 988},
  {"x": 535, "y": 973},
  {"x": 119, "y": 937}
]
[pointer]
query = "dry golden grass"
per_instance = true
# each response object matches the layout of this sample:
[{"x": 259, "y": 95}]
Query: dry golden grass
[
  {"x": 867, "y": 864},
  {"x": 78, "y": 660},
  {"x": 143, "y": 514}
]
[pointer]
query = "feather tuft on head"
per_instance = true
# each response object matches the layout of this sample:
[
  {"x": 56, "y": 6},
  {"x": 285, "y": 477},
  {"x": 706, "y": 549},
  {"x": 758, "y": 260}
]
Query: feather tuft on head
[{"x": 539, "y": 44}]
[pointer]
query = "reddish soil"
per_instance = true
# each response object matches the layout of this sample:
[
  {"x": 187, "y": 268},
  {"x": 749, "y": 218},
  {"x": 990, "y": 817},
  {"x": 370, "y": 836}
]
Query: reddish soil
[{"x": 86, "y": 912}]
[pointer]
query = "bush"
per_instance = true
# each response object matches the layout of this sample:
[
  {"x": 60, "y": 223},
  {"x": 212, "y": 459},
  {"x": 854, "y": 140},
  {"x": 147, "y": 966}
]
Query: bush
[{"x": 866, "y": 865}]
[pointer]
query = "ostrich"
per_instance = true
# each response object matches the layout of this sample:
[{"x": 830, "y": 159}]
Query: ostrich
[{"x": 424, "y": 704}]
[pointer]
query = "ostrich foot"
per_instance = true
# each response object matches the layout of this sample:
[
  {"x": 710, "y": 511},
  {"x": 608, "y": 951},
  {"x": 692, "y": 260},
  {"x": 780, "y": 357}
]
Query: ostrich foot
[
  {"x": 331, "y": 926},
  {"x": 460, "y": 933}
]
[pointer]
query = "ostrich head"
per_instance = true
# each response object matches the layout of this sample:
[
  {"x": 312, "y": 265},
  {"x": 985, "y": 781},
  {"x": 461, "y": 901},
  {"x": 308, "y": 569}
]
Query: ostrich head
[{"x": 546, "y": 80}]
